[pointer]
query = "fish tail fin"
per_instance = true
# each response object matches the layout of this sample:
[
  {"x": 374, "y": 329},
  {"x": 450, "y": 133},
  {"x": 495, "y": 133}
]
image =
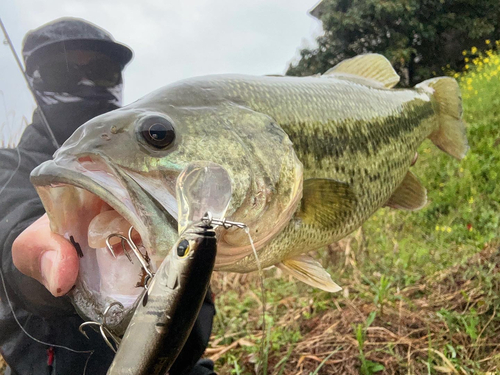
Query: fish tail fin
[{"x": 450, "y": 136}]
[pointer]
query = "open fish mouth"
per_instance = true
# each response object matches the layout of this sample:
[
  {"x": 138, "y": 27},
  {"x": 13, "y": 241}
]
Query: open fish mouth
[{"x": 87, "y": 200}]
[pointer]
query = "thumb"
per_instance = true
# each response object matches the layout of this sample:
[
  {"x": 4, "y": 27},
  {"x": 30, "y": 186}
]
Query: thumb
[{"x": 46, "y": 256}]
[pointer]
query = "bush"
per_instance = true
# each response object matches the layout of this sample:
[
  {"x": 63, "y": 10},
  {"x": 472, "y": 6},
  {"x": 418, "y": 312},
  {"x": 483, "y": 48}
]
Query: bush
[{"x": 417, "y": 36}]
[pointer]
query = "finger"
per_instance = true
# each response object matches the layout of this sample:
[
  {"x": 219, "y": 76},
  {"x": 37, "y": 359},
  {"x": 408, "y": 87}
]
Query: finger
[{"x": 46, "y": 256}]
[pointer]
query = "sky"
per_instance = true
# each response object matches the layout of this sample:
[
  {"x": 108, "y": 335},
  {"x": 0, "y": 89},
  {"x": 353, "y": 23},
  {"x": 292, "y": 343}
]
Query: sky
[{"x": 171, "y": 40}]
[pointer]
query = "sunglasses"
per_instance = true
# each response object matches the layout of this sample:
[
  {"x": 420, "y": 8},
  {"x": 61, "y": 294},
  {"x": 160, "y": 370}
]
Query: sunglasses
[{"x": 64, "y": 76}]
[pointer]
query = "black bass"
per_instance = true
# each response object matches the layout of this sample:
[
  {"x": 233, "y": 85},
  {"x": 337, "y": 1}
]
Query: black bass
[
  {"x": 310, "y": 159},
  {"x": 166, "y": 313}
]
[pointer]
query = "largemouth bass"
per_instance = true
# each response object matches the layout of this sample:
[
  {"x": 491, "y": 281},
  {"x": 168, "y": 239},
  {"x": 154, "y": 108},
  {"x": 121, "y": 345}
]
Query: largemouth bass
[
  {"x": 167, "y": 311},
  {"x": 310, "y": 159}
]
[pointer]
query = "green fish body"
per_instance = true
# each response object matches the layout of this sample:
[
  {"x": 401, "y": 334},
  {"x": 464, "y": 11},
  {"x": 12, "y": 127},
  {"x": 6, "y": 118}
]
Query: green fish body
[
  {"x": 356, "y": 140},
  {"x": 310, "y": 159}
]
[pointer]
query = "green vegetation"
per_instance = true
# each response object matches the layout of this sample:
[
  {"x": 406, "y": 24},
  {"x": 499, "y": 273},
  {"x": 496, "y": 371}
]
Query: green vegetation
[
  {"x": 421, "y": 289},
  {"x": 418, "y": 37}
]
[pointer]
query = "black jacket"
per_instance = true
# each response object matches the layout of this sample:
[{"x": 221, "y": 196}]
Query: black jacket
[{"x": 44, "y": 317}]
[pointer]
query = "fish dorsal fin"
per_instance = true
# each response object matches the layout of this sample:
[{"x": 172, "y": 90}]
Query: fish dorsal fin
[
  {"x": 309, "y": 271},
  {"x": 372, "y": 66},
  {"x": 325, "y": 201},
  {"x": 410, "y": 195}
]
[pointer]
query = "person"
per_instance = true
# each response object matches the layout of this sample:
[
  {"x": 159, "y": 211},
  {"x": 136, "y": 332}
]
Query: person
[{"x": 75, "y": 69}]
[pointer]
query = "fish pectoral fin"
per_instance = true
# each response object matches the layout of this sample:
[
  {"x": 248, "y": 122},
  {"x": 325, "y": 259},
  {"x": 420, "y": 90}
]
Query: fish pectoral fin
[
  {"x": 410, "y": 195},
  {"x": 371, "y": 66},
  {"x": 325, "y": 201},
  {"x": 309, "y": 271}
]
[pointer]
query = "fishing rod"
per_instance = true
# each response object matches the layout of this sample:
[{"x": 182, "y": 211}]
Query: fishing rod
[{"x": 18, "y": 61}]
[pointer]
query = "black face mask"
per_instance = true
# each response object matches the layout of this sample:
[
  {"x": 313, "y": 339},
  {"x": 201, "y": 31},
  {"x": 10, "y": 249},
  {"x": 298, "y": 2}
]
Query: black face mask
[
  {"x": 65, "y": 117},
  {"x": 85, "y": 91},
  {"x": 69, "y": 97}
]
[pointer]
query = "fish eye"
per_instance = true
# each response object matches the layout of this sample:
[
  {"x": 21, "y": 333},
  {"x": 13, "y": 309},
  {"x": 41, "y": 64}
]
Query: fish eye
[
  {"x": 183, "y": 248},
  {"x": 157, "y": 132}
]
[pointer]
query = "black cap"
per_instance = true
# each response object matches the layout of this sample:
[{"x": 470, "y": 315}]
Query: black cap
[{"x": 71, "y": 34}]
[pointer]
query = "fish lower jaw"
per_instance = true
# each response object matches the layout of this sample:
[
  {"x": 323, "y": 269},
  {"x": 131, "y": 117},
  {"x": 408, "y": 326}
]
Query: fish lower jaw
[{"x": 86, "y": 220}]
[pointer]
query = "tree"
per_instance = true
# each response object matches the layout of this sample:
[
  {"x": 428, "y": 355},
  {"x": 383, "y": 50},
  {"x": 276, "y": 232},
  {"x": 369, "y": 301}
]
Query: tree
[{"x": 419, "y": 37}]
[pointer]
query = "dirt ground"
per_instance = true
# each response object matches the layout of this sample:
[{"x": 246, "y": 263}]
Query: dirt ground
[{"x": 413, "y": 332}]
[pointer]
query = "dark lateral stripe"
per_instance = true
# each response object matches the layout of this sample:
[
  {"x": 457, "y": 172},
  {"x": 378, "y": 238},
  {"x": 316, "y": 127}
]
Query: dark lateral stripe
[{"x": 354, "y": 136}]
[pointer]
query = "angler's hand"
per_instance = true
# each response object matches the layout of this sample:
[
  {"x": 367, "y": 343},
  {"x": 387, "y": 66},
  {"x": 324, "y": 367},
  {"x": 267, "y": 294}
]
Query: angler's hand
[{"x": 46, "y": 256}]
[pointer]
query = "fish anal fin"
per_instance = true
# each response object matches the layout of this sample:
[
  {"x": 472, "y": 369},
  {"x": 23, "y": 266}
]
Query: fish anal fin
[
  {"x": 371, "y": 66},
  {"x": 410, "y": 194},
  {"x": 309, "y": 271},
  {"x": 325, "y": 201}
]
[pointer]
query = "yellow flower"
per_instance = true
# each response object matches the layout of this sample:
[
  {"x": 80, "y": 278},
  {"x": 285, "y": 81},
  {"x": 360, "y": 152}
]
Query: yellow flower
[
  {"x": 464, "y": 52},
  {"x": 466, "y": 66},
  {"x": 448, "y": 229},
  {"x": 471, "y": 200},
  {"x": 473, "y": 50},
  {"x": 486, "y": 60},
  {"x": 437, "y": 227},
  {"x": 487, "y": 41},
  {"x": 461, "y": 170},
  {"x": 466, "y": 59},
  {"x": 443, "y": 229}
]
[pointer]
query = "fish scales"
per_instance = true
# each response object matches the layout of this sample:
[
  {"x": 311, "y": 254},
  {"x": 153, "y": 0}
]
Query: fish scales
[{"x": 370, "y": 147}]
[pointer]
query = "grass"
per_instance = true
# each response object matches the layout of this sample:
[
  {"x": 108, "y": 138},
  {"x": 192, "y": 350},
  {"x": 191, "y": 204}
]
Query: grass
[{"x": 421, "y": 290}]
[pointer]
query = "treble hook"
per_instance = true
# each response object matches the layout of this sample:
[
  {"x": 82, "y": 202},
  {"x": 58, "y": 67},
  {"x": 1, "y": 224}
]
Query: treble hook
[
  {"x": 135, "y": 250},
  {"x": 123, "y": 241},
  {"x": 105, "y": 332},
  {"x": 138, "y": 254}
]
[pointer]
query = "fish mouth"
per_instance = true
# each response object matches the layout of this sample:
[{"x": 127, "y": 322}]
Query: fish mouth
[{"x": 87, "y": 200}]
